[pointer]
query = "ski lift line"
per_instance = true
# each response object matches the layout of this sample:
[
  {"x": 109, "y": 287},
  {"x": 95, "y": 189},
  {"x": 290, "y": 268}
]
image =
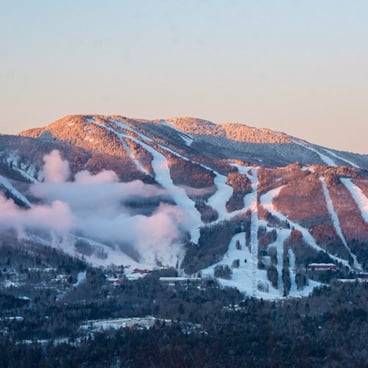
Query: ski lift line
[{"x": 254, "y": 230}]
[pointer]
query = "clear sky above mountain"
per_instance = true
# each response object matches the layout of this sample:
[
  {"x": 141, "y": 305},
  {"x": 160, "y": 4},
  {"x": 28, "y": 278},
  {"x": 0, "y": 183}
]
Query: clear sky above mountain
[{"x": 299, "y": 66}]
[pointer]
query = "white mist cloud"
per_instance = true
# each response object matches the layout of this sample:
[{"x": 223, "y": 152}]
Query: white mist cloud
[
  {"x": 105, "y": 176},
  {"x": 57, "y": 216},
  {"x": 155, "y": 237},
  {"x": 93, "y": 194},
  {"x": 55, "y": 169},
  {"x": 93, "y": 205}
]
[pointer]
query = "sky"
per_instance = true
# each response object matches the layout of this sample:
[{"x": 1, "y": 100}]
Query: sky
[{"x": 298, "y": 66}]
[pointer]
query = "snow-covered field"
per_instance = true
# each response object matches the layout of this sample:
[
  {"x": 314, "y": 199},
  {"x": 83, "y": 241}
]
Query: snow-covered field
[
  {"x": 327, "y": 160},
  {"x": 6, "y": 183},
  {"x": 349, "y": 162},
  {"x": 360, "y": 199},
  {"x": 336, "y": 222},
  {"x": 248, "y": 278}
]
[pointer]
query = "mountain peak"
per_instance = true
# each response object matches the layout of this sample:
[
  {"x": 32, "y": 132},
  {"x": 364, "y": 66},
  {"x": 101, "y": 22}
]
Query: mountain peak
[{"x": 227, "y": 200}]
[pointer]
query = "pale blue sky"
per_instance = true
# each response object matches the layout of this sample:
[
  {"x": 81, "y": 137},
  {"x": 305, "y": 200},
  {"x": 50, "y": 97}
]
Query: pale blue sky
[{"x": 299, "y": 66}]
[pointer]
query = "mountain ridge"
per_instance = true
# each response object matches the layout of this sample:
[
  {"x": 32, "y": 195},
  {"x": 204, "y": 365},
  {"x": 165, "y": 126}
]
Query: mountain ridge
[
  {"x": 216, "y": 136},
  {"x": 252, "y": 214}
]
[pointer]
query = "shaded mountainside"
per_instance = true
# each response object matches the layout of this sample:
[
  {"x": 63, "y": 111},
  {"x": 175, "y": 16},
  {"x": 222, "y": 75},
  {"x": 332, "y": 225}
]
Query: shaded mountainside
[{"x": 252, "y": 207}]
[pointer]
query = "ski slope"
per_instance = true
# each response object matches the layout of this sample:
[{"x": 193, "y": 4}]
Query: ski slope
[
  {"x": 341, "y": 158},
  {"x": 267, "y": 202},
  {"x": 360, "y": 199},
  {"x": 336, "y": 222},
  {"x": 323, "y": 157},
  {"x": 247, "y": 276},
  {"x": 6, "y": 183},
  {"x": 161, "y": 171}
]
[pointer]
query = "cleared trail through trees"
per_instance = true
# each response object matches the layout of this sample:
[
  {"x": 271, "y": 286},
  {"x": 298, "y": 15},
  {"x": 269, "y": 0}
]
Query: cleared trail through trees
[
  {"x": 267, "y": 202},
  {"x": 162, "y": 175},
  {"x": 253, "y": 177},
  {"x": 336, "y": 222}
]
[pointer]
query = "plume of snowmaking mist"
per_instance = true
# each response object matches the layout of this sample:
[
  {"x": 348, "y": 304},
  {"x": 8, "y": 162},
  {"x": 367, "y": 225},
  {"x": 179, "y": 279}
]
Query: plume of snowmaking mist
[
  {"x": 93, "y": 205},
  {"x": 56, "y": 216},
  {"x": 55, "y": 169}
]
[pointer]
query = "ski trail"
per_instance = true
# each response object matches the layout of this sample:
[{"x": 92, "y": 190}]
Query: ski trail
[
  {"x": 138, "y": 165},
  {"x": 162, "y": 175},
  {"x": 224, "y": 191},
  {"x": 254, "y": 228},
  {"x": 241, "y": 276},
  {"x": 293, "y": 288},
  {"x": 26, "y": 175},
  {"x": 187, "y": 138},
  {"x": 247, "y": 277},
  {"x": 122, "y": 137},
  {"x": 248, "y": 198},
  {"x": 358, "y": 196},
  {"x": 122, "y": 126},
  {"x": 279, "y": 266},
  {"x": 340, "y": 158},
  {"x": 6, "y": 183},
  {"x": 336, "y": 222},
  {"x": 278, "y": 244},
  {"x": 220, "y": 197},
  {"x": 28, "y": 172},
  {"x": 284, "y": 234},
  {"x": 323, "y": 157},
  {"x": 267, "y": 202}
]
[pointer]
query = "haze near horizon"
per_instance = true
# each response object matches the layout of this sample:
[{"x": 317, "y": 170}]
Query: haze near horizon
[{"x": 292, "y": 66}]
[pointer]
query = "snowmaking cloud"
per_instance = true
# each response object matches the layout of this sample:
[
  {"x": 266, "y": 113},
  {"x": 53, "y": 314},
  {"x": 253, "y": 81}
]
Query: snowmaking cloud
[
  {"x": 55, "y": 169},
  {"x": 93, "y": 207},
  {"x": 56, "y": 216},
  {"x": 94, "y": 191}
]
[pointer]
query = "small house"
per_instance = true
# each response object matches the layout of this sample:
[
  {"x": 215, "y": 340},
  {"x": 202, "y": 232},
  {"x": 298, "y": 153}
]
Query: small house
[{"x": 322, "y": 267}]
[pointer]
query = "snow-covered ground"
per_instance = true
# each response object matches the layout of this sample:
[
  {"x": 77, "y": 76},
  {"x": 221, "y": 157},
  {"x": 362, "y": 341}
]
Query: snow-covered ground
[
  {"x": 161, "y": 170},
  {"x": 224, "y": 191},
  {"x": 253, "y": 281},
  {"x": 115, "y": 324},
  {"x": 218, "y": 200},
  {"x": 26, "y": 170},
  {"x": 110, "y": 255},
  {"x": 360, "y": 199},
  {"x": 187, "y": 138},
  {"x": 341, "y": 158},
  {"x": 138, "y": 165},
  {"x": 248, "y": 278},
  {"x": 323, "y": 157},
  {"x": 254, "y": 229},
  {"x": 267, "y": 203},
  {"x": 336, "y": 222},
  {"x": 6, "y": 183},
  {"x": 293, "y": 288},
  {"x": 81, "y": 277},
  {"x": 162, "y": 175}
]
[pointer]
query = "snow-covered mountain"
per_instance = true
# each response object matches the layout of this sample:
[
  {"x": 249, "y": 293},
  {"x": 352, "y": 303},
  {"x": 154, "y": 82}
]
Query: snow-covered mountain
[{"x": 258, "y": 209}]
